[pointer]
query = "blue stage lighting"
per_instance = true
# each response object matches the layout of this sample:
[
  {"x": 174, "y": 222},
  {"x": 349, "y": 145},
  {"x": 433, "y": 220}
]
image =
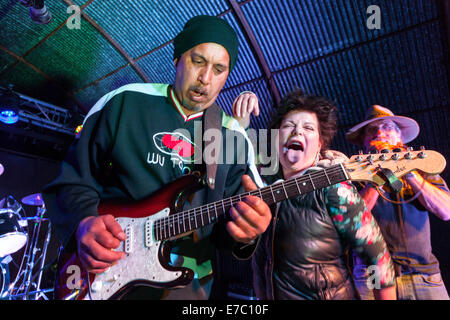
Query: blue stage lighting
[
  {"x": 9, "y": 106},
  {"x": 9, "y": 116}
]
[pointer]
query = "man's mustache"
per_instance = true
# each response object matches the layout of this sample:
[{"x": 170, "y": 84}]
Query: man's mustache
[{"x": 199, "y": 89}]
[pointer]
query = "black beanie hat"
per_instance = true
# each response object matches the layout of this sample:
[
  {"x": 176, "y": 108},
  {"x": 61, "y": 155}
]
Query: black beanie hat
[{"x": 202, "y": 29}]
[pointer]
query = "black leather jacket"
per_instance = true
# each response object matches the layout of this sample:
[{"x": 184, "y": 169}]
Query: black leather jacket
[{"x": 309, "y": 255}]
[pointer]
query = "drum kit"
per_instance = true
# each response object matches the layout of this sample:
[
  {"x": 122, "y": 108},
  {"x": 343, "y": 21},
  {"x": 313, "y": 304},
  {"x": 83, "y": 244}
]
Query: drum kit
[{"x": 18, "y": 231}]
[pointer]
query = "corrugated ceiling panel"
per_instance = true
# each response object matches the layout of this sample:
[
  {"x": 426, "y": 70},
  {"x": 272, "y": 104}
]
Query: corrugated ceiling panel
[
  {"x": 291, "y": 32},
  {"x": 79, "y": 2},
  {"x": 5, "y": 61},
  {"x": 159, "y": 20},
  {"x": 387, "y": 71},
  {"x": 94, "y": 57},
  {"x": 93, "y": 93},
  {"x": 246, "y": 67},
  {"x": 24, "y": 79},
  {"x": 158, "y": 65}
]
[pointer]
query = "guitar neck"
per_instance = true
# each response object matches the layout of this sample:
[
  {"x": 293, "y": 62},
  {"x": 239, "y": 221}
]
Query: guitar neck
[{"x": 189, "y": 220}]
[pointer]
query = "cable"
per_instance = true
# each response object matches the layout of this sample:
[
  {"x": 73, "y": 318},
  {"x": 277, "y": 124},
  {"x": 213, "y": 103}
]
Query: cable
[{"x": 380, "y": 192}]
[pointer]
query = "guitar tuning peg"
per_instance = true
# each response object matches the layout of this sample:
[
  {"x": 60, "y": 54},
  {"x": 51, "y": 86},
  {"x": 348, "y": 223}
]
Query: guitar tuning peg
[
  {"x": 410, "y": 149},
  {"x": 374, "y": 151},
  {"x": 422, "y": 148},
  {"x": 397, "y": 150},
  {"x": 370, "y": 159},
  {"x": 385, "y": 151},
  {"x": 359, "y": 156},
  {"x": 422, "y": 153}
]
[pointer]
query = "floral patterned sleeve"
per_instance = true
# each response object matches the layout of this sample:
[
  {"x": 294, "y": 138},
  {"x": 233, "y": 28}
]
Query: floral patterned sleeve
[{"x": 356, "y": 225}]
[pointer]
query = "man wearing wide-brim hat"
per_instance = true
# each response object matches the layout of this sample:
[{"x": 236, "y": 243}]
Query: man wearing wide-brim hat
[{"x": 403, "y": 216}]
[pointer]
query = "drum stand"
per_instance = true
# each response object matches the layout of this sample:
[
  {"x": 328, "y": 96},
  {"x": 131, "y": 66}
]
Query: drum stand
[{"x": 24, "y": 290}]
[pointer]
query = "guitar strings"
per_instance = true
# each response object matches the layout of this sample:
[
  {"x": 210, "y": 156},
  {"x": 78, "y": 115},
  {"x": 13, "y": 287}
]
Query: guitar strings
[
  {"x": 288, "y": 186},
  {"x": 268, "y": 190}
]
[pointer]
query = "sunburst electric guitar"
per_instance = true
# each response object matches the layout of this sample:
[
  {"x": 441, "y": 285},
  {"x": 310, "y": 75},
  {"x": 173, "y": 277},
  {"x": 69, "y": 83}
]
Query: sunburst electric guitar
[{"x": 151, "y": 223}]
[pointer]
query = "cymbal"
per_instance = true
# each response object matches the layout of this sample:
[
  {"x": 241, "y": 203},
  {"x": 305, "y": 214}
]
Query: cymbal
[{"x": 33, "y": 200}]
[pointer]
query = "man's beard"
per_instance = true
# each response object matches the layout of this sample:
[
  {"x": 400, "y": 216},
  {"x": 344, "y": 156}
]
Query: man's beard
[
  {"x": 190, "y": 107},
  {"x": 380, "y": 144}
]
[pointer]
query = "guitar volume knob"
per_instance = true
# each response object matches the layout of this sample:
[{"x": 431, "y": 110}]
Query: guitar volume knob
[{"x": 97, "y": 286}]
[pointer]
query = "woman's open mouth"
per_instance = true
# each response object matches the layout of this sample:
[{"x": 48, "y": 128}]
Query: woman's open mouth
[{"x": 293, "y": 145}]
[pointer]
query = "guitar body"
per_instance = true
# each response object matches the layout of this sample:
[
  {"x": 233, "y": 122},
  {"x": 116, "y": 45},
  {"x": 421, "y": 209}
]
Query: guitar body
[{"x": 147, "y": 259}]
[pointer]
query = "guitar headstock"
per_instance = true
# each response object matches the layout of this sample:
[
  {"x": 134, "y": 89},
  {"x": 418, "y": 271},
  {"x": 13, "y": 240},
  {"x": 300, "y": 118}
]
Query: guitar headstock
[{"x": 366, "y": 167}]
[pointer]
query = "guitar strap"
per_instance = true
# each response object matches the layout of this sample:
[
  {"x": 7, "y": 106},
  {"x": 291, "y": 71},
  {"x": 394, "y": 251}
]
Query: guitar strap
[{"x": 212, "y": 120}]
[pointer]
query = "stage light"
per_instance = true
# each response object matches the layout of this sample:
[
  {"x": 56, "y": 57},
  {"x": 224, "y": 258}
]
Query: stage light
[
  {"x": 9, "y": 116},
  {"x": 39, "y": 12},
  {"x": 9, "y": 107}
]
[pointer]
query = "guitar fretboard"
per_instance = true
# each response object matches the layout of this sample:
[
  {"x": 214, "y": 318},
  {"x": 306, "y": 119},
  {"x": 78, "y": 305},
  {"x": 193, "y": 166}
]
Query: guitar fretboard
[{"x": 192, "y": 219}]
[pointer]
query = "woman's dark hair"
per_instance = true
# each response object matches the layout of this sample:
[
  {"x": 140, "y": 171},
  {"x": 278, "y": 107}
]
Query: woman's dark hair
[{"x": 324, "y": 109}]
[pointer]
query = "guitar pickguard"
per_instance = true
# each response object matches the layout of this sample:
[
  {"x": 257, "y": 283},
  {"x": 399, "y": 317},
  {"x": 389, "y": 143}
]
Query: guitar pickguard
[{"x": 142, "y": 263}]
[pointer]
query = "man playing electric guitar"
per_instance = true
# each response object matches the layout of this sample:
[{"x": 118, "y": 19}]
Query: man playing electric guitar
[{"x": 140, "y": 137}]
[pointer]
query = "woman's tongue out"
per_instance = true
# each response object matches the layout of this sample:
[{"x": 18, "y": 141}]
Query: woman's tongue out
[{"x": 293, "y": 151}]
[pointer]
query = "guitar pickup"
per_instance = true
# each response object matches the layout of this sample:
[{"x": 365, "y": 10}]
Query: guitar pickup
[
  {"x": 128, "y": 247},
  {"x": 148, "y": 233}
]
